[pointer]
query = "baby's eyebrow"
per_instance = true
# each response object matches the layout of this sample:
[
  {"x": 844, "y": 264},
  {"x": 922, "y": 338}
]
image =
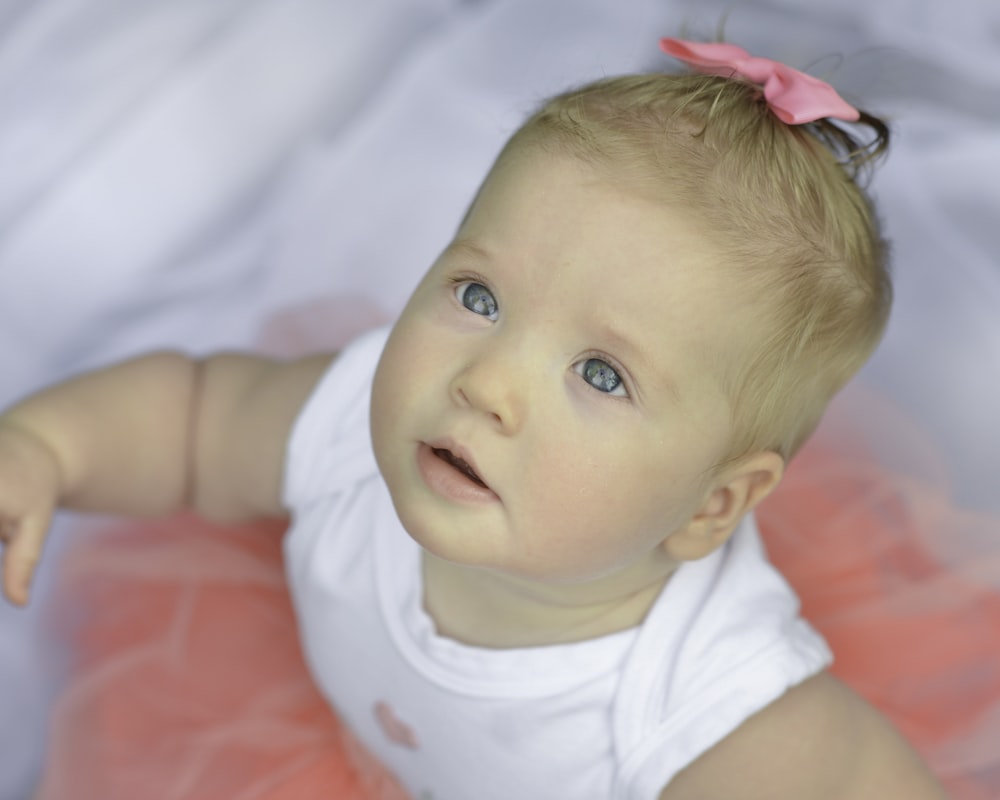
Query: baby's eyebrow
[
  {"x": 469, "y": 249},
  {"x": 632, "y": 353}
]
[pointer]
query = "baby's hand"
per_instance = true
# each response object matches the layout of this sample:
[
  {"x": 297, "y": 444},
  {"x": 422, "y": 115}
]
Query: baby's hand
[{"x": 29, "y": 493}]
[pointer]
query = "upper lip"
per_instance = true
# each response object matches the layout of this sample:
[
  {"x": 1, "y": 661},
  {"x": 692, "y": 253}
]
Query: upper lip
[{"x": 449, "y": 444}]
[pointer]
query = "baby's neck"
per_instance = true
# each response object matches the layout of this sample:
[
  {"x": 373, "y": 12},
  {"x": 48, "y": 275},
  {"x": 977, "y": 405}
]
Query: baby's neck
[{"x": 486, "y": 609}]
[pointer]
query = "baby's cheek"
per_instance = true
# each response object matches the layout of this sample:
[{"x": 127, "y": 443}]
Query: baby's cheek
[
  {"x": 383, "y": 416},
  {"x": 575, "y": 491}
]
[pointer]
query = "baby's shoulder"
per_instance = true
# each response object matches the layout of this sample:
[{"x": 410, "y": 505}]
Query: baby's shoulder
[{"x": 819, "y": 741}]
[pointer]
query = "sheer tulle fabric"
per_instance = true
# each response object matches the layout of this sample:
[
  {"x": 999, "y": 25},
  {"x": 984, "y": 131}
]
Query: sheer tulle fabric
[
  {"x": 188, "y": 677},
  {"x": 904, "y": 585}
]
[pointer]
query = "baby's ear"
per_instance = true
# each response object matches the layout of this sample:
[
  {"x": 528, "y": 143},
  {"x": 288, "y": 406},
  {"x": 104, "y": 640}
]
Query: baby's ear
[{"x": 737, "y": 490}]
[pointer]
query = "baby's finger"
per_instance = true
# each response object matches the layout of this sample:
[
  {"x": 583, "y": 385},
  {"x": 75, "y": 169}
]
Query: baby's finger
[{"x": 22, "y": 548}]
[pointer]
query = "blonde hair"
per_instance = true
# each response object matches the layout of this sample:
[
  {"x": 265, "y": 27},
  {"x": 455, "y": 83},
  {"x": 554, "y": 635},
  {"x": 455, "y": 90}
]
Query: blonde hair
[{"x": 784, "y": 204}]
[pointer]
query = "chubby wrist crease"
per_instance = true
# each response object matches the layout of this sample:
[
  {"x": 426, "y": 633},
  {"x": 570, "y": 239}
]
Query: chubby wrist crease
[{"x": 29, "y": 433}]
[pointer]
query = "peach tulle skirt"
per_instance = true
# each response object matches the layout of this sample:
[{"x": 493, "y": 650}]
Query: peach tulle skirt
[{"x": 187, "y": 680}]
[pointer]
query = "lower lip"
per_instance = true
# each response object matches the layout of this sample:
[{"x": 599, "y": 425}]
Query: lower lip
[{"x": 449, "y": 482}]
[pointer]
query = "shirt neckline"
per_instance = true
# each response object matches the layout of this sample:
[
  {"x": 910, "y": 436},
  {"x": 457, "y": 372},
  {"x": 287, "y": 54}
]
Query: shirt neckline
[{"x": 510, "y": 672}]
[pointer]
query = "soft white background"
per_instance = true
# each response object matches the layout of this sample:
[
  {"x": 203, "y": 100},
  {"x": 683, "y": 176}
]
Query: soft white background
[{"x": 172, "y": 173}]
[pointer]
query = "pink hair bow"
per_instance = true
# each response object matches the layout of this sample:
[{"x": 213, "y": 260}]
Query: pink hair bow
[{"x": 793, "y": 96}]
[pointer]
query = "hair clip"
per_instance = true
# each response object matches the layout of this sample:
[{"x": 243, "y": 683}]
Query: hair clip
[{"x": 794, "y": 97}]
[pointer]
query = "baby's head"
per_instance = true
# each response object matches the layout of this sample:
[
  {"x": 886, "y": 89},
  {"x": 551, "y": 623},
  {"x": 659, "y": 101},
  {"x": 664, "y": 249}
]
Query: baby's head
[
  {"x": 649, "y": 303},
  {"x": 783, "y": 208}
]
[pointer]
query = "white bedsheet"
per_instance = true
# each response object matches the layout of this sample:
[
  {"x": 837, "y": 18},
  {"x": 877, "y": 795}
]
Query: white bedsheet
[{"x": 172, "y": 173}]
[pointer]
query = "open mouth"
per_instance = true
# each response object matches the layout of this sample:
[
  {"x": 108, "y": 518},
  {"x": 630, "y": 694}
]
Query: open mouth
[{"x": 459, "y": 464}]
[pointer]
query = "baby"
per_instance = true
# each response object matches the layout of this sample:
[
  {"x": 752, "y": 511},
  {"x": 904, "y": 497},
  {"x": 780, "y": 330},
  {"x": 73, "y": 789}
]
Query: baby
[{"x": 525, "y": 512}]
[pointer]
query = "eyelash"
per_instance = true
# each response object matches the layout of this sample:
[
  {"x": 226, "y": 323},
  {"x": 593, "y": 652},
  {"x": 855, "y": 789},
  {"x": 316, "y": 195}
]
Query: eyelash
[{"x": 461, "y": 283}]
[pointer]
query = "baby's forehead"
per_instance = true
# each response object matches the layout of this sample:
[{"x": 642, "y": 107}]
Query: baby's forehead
[
  {"x": 655, "y": 221},
  {"x": 637, "y": 172},
  {"x": 529, "y": 168}
]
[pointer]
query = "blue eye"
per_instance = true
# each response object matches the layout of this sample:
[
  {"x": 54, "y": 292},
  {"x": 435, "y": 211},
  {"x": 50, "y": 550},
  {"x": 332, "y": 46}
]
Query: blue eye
[
  {"x": 478, "y": 299},
  {"x": 602, "y": 376}
]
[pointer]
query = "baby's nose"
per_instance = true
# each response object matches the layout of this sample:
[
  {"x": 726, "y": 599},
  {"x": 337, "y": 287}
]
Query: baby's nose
[{"x": 494, "y": 382}]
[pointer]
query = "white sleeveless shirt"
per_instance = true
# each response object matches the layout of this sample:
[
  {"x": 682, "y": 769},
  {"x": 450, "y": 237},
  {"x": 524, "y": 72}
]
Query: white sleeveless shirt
[{"x": 613, "y": 717}]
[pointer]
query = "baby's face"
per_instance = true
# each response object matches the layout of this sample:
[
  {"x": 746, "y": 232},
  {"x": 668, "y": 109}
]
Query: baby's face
[{"x": 547, "y": 405}]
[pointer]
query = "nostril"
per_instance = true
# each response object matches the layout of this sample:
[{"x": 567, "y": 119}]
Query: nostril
[{"x": 482, "y": 389}]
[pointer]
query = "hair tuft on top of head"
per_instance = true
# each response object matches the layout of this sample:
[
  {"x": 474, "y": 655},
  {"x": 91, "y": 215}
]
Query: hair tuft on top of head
[{"x": 856, "y": 156}]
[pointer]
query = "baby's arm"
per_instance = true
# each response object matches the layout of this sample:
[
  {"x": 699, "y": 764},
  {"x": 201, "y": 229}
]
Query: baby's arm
[
  {"x": 145, "y": 437},
  {"x": 820, "y": 741}
]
